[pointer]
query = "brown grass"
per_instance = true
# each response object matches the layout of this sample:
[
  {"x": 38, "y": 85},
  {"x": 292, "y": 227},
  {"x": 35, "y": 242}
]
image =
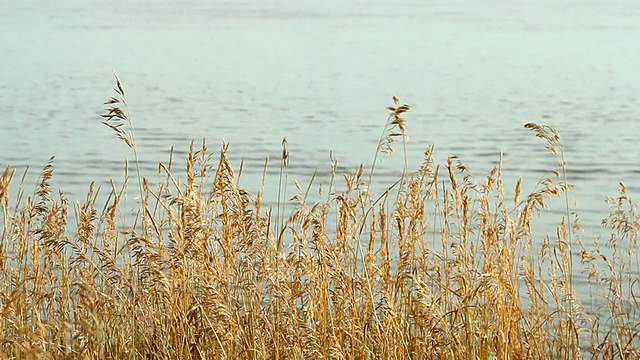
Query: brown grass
[{"x": 436, "y": 267}]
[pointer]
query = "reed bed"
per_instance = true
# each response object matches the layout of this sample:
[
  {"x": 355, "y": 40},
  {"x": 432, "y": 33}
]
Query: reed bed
[{"x": 438, "y": 266}]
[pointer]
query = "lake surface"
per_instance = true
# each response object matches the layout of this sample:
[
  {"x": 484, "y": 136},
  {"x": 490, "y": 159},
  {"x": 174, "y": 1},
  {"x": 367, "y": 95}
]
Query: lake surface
[{"x": 321, "y": 73}]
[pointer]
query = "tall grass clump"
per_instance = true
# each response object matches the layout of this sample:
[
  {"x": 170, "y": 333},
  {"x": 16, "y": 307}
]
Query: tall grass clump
[{"x": 437, "y": 266}]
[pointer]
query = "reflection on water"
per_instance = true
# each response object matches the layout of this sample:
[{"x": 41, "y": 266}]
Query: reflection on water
[{"x": 321, "y": 74}]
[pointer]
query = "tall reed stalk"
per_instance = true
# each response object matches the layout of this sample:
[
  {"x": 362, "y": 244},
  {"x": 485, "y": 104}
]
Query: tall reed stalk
[{"x": 118, "y": 119}]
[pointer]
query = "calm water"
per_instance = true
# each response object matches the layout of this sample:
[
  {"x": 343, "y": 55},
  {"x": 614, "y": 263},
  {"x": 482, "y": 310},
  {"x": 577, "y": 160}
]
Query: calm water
[{"x": 321, "y": 73}]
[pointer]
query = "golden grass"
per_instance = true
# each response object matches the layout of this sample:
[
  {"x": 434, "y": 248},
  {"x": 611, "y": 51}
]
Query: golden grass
[{"x": 436, "y": 267}]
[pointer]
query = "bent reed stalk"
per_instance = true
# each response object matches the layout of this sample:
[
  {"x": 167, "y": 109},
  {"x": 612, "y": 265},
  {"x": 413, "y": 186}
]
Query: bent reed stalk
[{"x": 442, "y": 268}]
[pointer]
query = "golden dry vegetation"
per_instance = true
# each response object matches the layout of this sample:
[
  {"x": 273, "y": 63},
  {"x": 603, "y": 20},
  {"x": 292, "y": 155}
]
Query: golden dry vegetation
[{"x": 436, "y": 267}]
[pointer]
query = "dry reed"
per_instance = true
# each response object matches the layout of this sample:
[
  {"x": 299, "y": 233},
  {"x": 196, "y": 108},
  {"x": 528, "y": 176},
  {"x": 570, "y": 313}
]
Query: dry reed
[{"x": 441, "y": 267}]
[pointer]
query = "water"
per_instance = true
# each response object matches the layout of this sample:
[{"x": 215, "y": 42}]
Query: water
[{"x": 321, "y": 73}]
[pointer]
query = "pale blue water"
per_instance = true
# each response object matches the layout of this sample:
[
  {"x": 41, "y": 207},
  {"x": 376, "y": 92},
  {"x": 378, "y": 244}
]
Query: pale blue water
[{"x": 321, "y": 73}]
